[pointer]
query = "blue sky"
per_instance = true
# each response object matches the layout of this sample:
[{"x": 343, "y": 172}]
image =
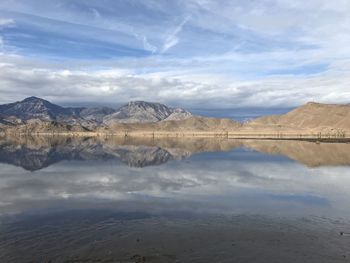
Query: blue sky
[{"x": 194, "y": 53}]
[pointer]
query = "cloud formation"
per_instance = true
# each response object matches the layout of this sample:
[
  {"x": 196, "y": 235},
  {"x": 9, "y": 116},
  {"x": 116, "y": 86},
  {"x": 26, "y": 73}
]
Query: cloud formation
[
  {"x": 190, "y": 53},
  {"x": 173, "y": 38},
  {"x": 6, "y": 22},
  {"x": 118, "y": 86}
]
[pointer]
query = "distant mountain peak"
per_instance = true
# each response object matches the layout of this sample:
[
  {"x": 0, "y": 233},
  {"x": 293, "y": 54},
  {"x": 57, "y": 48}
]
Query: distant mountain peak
[
  {"x": 136, "y": 102},
  {"x": 33, "y": 108},
  {"x": 32, "y": 98},
  {"x": 142, "y": 102},
  {"x": 143, "y": 111},
  {"x": 145, "y": 105}
]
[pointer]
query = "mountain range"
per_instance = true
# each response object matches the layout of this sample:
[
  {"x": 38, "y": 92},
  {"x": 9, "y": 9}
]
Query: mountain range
[
  {"x": 133, "y": 112},
  {"x": 36, "y": 115}
]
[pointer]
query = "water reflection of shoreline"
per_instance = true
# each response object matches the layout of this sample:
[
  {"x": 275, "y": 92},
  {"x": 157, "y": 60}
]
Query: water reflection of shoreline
[{"x": 37, "y": 152}]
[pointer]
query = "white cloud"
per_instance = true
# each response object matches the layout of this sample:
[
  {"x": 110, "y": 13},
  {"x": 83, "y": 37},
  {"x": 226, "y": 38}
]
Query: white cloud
[
  {"x": 95, "y": 13},
  {"x": 173, "y": 38},
  {"x": 236, "y": 53},
  {"x": 148, "y": 46},
  {"x": 6, "y": 22},
  {"x": 121, "y": 85},
  {"x": 3, "y": 24}
]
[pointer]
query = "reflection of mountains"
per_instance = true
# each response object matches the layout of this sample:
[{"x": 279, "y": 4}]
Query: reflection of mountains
[
  {"x": 308, "y": 153},
  {"x": 34, "y": 153}
]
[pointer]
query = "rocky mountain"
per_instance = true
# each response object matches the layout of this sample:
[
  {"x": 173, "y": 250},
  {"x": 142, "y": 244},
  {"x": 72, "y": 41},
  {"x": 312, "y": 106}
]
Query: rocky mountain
[
  {"x": 96, "y": 114},
  {"x": 34, "y": 108},
  {"x": 178, "y": 114},
  {"x": 145, "y": 112},
  {"x": 38, "y": 115},
  {"x": 9, "y": 120},
  {"x": 133, "y": 112},
  {"x": 37, "y": 108}
]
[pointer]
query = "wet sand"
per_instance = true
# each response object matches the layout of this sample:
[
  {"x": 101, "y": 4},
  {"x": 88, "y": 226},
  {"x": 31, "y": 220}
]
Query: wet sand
[{"x": 79, "y": 236}]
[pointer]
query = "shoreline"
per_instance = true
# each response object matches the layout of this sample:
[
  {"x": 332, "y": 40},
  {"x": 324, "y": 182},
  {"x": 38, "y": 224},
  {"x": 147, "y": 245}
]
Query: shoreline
[{"x": 313, "y": 137}]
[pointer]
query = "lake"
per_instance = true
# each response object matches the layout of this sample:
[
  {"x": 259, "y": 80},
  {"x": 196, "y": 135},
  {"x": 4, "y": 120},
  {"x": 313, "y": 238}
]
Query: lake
[{"x": 173, "y": 200}]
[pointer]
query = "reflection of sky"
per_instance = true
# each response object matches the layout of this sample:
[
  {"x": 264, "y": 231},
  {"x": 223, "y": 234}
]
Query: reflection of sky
[{"x": 239, "y": 181}]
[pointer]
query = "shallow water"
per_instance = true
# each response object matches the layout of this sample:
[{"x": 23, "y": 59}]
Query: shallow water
[{"x": 173, "y": 200}]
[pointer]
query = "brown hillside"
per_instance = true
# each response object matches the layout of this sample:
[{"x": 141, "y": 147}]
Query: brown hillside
[
  {"x": 311, "y": 116},
  {"x": 191, "y": 124},
  {"x": 38, "y": 126}
]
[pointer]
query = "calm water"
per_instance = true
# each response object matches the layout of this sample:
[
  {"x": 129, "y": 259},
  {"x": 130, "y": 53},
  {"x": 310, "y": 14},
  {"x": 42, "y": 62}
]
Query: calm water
[{"x": 173, "y": 200}]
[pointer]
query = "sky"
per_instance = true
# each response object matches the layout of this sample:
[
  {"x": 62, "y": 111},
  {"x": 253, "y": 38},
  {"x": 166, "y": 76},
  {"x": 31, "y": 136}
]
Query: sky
[{"x": 198, "y": 54}]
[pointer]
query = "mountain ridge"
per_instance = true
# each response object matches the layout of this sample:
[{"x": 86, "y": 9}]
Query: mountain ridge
[
  {"x": 33, "y": 108},
  {"x": 135, "y": 111},
  {"x": 35, "y": 115},
  {"x": 142, "y": 112}
]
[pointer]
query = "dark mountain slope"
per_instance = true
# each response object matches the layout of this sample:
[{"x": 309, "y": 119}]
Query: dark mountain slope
[{"x": 143, "y": 112}]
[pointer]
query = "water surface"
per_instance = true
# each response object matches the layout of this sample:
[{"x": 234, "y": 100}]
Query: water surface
[{"x": 173, "y": 200}]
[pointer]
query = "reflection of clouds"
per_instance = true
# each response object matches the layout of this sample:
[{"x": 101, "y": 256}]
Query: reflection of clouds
[{"x": 223, "y": 182}]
